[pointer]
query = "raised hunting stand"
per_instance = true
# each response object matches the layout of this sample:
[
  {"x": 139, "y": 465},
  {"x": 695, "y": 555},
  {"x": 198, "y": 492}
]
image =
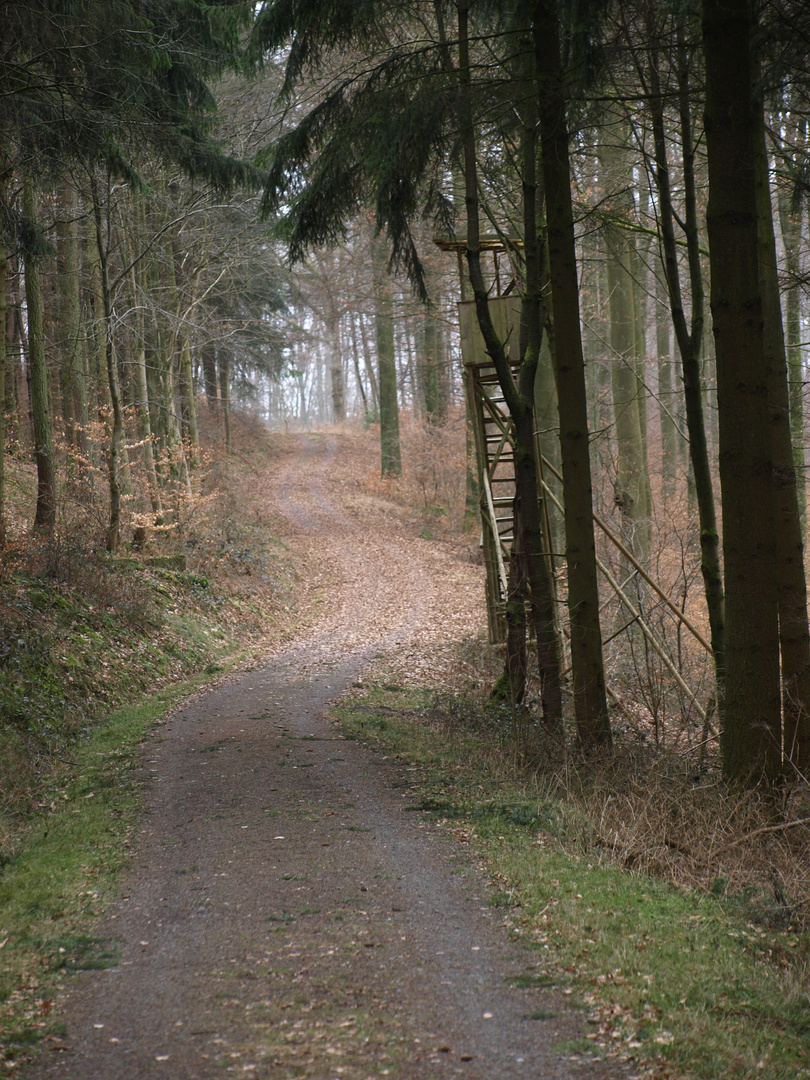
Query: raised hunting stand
[
  {"x": 494, "y": 451},
  {"x": 492, "y": 427}
]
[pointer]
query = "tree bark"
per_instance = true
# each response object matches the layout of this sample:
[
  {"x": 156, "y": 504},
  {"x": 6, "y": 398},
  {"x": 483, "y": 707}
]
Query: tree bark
[
  {"x": 74, "y": 392},
  {"x": 752, "y": 735},
  {"x": 689, "y": 338},
  {"x": 794, "y": 635},
  {"x": 590, "y": 703},
  {"x": 224, "y": 365},
  {"x": 45, "y": 515},
  {"x": 666, "y": 397},
  {"x": 338, "y": 394},
  {"x": 632, "y": 486},
  {"x": 113, "y": 536},
  {"x": 138, "y": 282},
  {"x": 3, "y": 366},
  {"x": 358, "y": 377},
  {"x": 528, "y": 542},
  {"x": 791, "y": 226},
  {"x": 209, "y": 366},
  {"x": 391, "y": 461}
]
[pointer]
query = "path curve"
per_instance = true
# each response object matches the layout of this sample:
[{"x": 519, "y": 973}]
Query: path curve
[{"x": 284, "y": 916}]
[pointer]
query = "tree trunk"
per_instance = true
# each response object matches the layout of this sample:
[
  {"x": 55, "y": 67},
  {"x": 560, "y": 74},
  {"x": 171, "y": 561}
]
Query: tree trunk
[
  {"x": 547, "y": 437},
  {"x": 74, "y": 392},
  {"x": 13, "y": 355},
  {"x": 113, "y": 536},
  {"x": 632, "y": 486},
  {"x": 389, "y": 408},
  {"x": 689, "y": 339},
  {"x": 752, "y": 736},
  {"x": 45, "y": 516},
  {"x": 209, "y": 366},
  {"x": 192, "y": 430},
  {"x": 138, "y": 285},
  {"x": 358, "y": 377},
  {"x": 225, "y": 394},
  {"x": 3, "y": 367},
  {"x": 528, "y": 543},
  {"x": 590, "y": 703},
  {"x": 794, "y": 635},
  {"x": 631, "y": 490},
  {"x": 666, "y": 397},
  {"x": 338, "y": 392},
  {"x": 791, "y": 226}
]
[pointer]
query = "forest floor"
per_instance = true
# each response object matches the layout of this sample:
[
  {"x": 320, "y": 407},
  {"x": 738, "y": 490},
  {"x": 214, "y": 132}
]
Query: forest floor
[
  {"x": 248, "y": 891},
  {"x": 283, "y": 914}
]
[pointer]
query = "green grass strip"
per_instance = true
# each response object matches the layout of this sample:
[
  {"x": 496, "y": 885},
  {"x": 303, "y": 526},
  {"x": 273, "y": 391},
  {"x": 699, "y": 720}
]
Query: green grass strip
[
  {"x": 68, "y": 869},
  {"x": 666, "y": 975}
]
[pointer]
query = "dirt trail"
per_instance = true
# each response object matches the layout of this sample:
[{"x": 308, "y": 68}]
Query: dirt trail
[{"x": 284, "y": 917}]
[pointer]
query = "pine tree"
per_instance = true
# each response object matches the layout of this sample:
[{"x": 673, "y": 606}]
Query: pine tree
[{"x": 752, "y": 737}]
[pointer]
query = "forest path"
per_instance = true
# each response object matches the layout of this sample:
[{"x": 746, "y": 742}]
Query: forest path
[{"x": 283, "y": 916}]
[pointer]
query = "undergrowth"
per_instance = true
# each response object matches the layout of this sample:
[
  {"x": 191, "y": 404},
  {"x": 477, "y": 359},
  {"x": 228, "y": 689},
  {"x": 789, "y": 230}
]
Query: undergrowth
[
  {"x": 85, "y": 631},
  {"x": 644, "y": 891}
]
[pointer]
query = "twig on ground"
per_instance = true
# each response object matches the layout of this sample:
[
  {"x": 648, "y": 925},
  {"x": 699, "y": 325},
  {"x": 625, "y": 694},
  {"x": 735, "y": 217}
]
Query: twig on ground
[{"x": 759, "y": 832}]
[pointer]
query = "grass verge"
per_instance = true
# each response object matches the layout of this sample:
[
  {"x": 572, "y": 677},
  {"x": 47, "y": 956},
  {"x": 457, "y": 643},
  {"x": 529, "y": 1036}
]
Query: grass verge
[
  {"x": 52, "y": 892},
  {"x": 675, "y": 981}
]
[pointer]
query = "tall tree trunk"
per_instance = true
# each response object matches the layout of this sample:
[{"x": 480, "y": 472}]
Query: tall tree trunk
[
  {"x": 528, "y": 543},
  {"x": 45, "y": 516},
  {"x": 138, "y": 283},
  {"x": 13, "y": 354},
  {"x": 689, "y": 338},
  {"x": 3, "y": 368},
  {"x": 632, "y": 486},
  {"x": 185, "y": 370},
  {"x": 639, "y": 275},
  {"x": 209, "y": 366},
  {"x": 192, "y": 430},
  {"x": 590, "y": 703},
  {"x": 336, "y": 380},
  {"x": 74, "y": 391},
  {"x": 790, "y": 220},
  {"x": 113, "y": 536},
  {"x": 547, "y": 437},
  {"x": 429, "y": 367},
  {"x": 358, "y": 377},
  {"x": 224, "y": 365},
  {"x": 369, "y": 366},
  {"x": 386, "y": 362},
  {"x": 666, "y": 396},
  {"x": 752, "y": 737},
  {"x": 794, "y": 635}
]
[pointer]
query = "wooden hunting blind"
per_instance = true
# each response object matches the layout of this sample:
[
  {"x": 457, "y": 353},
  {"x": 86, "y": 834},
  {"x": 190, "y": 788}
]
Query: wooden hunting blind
[
  {"x": 493, "y": 433},
  {"x": 492, "y": 427}
]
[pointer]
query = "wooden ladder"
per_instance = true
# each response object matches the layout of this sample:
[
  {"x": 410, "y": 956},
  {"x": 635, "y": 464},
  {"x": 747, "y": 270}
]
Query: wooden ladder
[{"x": 493, "y": 430}]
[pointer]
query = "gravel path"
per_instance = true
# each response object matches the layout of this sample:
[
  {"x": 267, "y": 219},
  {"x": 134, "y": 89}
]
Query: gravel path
[{"x": 284, "y": 916}]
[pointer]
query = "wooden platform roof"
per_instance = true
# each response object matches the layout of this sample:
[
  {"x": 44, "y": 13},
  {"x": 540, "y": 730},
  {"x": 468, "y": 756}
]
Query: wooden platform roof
[{"x": 488, "y": 242}]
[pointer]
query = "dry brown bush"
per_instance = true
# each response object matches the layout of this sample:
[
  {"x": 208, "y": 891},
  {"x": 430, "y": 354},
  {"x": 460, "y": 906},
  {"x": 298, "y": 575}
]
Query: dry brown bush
[{"x": 434, "y": 471}]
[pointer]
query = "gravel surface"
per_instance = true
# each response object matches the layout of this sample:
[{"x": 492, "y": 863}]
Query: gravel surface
[{"x": 284, "y": 916}]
